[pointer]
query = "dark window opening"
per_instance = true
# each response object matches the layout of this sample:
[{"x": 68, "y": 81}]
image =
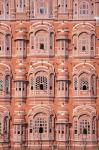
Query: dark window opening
[
  {"x": 75, "y": 88},
  {"x": 62, "y": 132},
  {"x": 84, "y": 87},
  {"x": 7, "y": 48},
  {"x": 50, "y": 46},
  {"x": 50, "y": 130},
  {"x": 84, "y": 131},
  {"x": 0, "y": 48},
  {"x": 83, "y": 48},
  {"x": 31, "y": 87},
  {"x": 41, "y": 10},
  {"x": 92, "y": 48},
  {"x": 75, "y": 131},
  {"x": 19, "y": 89},
  {"x": 41, "y": 46},
  {"x": 50, "y": 87},
  {"x": 75, "y": 47},
  {"x": 18, "y": 132},
  {"x": 30, "y": 130},
  {"x": 93, "y": 131},
  {"x": 41, "y": 87},
  {"x": 40, "y": 130},
  {"x": 7, "y": 90},
  {"x": 32, "y": 47}
]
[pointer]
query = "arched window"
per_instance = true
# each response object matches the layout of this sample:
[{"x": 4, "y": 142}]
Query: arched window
[
  {"x": 84, "y": 127},
  {"x": 40, "y": 126},
  {"x": 4, "y": 128},
  {"x": 42, "y": 41},
  {"x": 84, "y": 43}
]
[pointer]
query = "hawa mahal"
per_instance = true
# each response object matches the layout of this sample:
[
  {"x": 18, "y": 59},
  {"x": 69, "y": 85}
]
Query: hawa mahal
[{"x": 49, "y": 74}]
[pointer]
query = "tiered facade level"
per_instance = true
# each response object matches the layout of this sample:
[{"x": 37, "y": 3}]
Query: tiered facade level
[{"x": 49, "y": 74}]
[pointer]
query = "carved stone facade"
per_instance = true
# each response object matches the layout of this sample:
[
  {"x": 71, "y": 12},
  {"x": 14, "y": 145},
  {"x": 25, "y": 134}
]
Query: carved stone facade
[{"x": 49, "y": 74}]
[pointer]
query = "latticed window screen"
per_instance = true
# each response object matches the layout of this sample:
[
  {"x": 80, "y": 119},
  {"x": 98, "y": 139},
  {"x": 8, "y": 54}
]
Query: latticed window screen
[
  {"x": 75, "y": 84},
  {"x": 7, "y": 82},
  {"x": 41, "y": 43},
  {"x": 75, "y": 127},
  {"x": 0, "y": 127},
  {"x": 32, "y": 8},
  {"x": 1, "y": 8},
  {"x": 32, "y": 84},
  {"x": 94, "y": 126},
  {"x": 32, "y": 42},
  {"x": 40, "y": 125},
  {"x": 1, "y": 42},
  {"x": 92, "y": 42},
  {"x": 41, "y": 83},
  {"x": 84, "y": 85},
  {"x": 84, "y": 9},
  {"x": 20, "y": 5},
  {"x": 1, "y": 85},
  {"x": 62, "y": 4},
  {"x": 85, "y": 126},
  {"x": 84, "y": 43}
]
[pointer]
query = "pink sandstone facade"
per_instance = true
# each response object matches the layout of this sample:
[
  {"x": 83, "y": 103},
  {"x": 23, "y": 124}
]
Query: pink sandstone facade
[{"x": 49, "y": 74}]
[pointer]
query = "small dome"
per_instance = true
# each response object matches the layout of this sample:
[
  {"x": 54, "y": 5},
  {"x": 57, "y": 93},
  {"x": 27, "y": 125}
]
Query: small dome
[
  {"x": 62, "y": 35},
  {"x": 20, "y": 35},
  {"x": 62, "y": 72},
  {"x": 21, "y": 31},
  {"x": 63, "y": 27},
  {"x": 19, "y": 117},
  {"x": 19, "y": 114},
  {"x": 19, "y": 108},
  {"x": 20, "y": 72},
  {"x": 63, "y": 114},
  {"x": 21, "y": 26}
]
